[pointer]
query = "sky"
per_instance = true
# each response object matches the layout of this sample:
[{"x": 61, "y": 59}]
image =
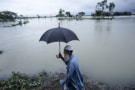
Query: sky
[{"x": 51, "y": 7}]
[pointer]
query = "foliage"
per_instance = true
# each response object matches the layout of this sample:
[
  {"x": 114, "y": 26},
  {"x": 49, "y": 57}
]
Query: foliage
[
  {"x": 20, "y": 81},
  {"x": 69, "y": 14},
  {"x": 49, "y": 81},
  {"x": 122, "y": 13},
  {"x": 114, "y": 13},
  {"x": 101, "y": 6},
  {"x": 60, "y": 14},
  {"x": 81, "y": 13},
  {"x": 7, "y": 16},
  {"x": 111, "y": 7}
]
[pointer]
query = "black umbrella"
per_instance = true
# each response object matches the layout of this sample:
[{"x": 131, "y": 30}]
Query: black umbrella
[{"x": 58, "y": 34}]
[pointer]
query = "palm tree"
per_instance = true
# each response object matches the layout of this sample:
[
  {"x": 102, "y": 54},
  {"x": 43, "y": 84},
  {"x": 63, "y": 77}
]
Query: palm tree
[
  {"x": 104, "y": 6},
  {"x": 61, "y": 12},
  {"x": 68, "y": 14},
  {"x": 81, "y": 14},
  {"x": 111, "y": 8},
  {"x": 100, "y": 7}
]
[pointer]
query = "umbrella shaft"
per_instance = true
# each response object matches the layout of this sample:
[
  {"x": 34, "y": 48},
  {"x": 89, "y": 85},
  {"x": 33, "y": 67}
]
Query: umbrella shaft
[{"x": 59, "y": 47}]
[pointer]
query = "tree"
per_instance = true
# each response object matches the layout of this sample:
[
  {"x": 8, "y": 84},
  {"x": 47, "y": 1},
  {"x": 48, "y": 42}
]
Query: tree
[
  {"x": 8, "y": 16},
  {"x": 68, "y": 14},
  {"x": 60, "y": 14},
  {"x": 111, "y": 8},
  {"x": 98, "y": 9},
  {"x": 101, "y": 6},
  {"x": 81, "y": 13}
]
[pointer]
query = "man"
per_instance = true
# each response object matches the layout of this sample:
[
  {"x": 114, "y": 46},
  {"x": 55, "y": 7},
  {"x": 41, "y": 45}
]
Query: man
[{"x": 73, "y": 79}]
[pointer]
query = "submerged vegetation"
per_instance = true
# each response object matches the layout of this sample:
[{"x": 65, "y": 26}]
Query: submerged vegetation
[{"x": 9, "y": 16}]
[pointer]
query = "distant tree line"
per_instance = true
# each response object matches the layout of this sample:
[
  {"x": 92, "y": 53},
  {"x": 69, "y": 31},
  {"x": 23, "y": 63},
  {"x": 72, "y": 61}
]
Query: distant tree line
[
  {"x": 114, "y": 14},
  {"x": 121, "y": 13},
  {"x": 102, "y": 9},
  {"x": 7, "y": 16},
  {"x": 63, "y": 13}
]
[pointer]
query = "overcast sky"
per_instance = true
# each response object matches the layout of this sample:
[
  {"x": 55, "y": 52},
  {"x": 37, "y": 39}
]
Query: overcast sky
[{"x": 51, "y": 7}]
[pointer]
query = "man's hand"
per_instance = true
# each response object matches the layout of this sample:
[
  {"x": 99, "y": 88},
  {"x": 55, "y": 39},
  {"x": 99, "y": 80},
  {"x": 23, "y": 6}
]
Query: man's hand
[
  {"x": 62, "y": 82},
  {"x": 59, "y": 56}
]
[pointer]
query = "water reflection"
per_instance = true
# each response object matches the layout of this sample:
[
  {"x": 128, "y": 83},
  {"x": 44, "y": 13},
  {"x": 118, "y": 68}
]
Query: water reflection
[{"x": 103, "y": 25}]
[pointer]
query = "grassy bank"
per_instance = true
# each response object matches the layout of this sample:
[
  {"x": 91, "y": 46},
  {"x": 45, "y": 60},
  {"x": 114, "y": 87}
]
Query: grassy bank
[
  {"x": 40, "y": 81},
  {"x": 48, "y": 81}
]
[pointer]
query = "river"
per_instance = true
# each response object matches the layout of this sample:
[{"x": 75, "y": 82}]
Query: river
[{"x": 106, "y": 50}]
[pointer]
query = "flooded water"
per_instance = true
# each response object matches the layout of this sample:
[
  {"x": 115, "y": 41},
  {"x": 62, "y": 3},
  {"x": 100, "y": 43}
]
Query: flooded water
[{"x": 106, "y": 50}]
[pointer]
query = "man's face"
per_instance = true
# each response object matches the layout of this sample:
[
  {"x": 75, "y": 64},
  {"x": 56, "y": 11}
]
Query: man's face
[
  {"x": 66, "y": 55},
  {"x": 66, "y": 52}
]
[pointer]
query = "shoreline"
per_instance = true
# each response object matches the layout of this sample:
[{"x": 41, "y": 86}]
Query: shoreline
[{"x": 48, "y": 81}]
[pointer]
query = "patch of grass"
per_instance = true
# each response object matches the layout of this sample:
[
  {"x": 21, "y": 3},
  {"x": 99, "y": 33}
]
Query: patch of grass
[{"x": 20, "y": 81}]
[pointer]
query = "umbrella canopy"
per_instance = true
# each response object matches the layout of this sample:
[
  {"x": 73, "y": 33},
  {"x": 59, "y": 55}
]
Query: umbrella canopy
[{"x": 58, "y": 35}]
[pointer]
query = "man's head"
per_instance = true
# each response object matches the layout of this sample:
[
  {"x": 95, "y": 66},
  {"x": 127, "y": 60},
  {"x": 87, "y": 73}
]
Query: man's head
[
  {"x": 67, "y": 52},
  {"x": 68, "y": 49}
]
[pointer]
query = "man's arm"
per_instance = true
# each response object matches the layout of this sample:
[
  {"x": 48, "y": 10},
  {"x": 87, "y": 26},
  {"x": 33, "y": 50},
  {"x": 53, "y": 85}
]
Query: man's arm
[
  {"x": 62, "y": 58},
  {"x": 69, "y": 74}
]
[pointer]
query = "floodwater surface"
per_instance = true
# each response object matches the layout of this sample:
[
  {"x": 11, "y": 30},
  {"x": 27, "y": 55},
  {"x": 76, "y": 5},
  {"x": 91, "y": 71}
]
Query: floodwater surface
[{"x": 106, "y": 50}]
